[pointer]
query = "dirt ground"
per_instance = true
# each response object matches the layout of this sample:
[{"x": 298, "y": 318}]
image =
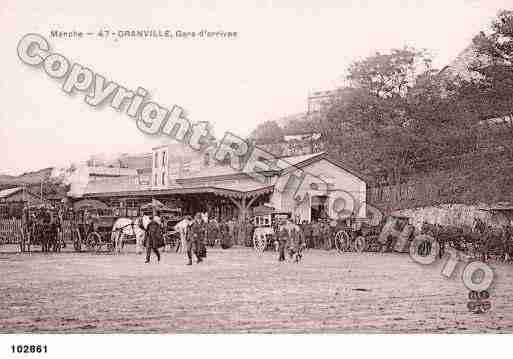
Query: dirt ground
[{"x": 237, "y": 290}]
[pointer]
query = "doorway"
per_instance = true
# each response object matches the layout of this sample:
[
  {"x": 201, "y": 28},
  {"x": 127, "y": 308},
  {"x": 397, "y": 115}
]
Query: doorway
[{"x": 319, "y": 208}]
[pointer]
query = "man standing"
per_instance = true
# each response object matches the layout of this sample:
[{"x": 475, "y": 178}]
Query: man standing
[
  {"x": 307, "y": 233},
  {"x": 154, "y": 237},
  {"x": 182, "y": 227},
  {"x": 325, "y": 235},
  {"x": 283, "y": 238},
  {"x": 297, "y": 242},
  {"x": 316, "y": 234},
  {"x": 195, "y": 235},
  {"x": 212, "y": 232},
  {"x": 224, "y": 231},
  {"x": 231, "y": 230}
]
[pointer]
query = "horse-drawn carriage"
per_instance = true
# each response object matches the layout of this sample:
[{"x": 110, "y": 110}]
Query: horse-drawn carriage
[
  {"x": 354, "y": 235},
  {"x": 484, "y": 239},
  {"x": 266, "y": 220},
  {"x": 489, "y": 236},
  {"x": 91, "y": 226}
]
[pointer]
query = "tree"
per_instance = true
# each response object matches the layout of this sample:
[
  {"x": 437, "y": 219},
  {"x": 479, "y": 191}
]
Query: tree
[
  {"x": 268, "y": 132},
  {"x": 372, "y": 125},
  {"x": 389, "y": 75},
  {"x": 489, "y": 94}
]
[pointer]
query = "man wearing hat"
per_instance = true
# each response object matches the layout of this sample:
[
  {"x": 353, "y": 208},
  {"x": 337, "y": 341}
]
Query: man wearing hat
[
  {"x": 283, "y": 238},
  {"x": 195, "y": 236}
]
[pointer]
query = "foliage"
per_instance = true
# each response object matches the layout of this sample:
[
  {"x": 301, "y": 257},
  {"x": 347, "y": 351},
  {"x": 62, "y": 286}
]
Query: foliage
[
  {"x": 489, "y": 95},
  {"x": 379, "y": 125},
  {"x": 268, "y": 132}
]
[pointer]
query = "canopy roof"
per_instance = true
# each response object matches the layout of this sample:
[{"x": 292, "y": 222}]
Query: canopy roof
[
  {"x": 226, "y": 191},
  {"x": 89, "y": 203}
]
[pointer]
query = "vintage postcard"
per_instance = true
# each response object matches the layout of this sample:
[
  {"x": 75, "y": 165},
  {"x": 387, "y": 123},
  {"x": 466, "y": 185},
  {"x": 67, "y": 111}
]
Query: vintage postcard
[{"x": 334, "y": 167}]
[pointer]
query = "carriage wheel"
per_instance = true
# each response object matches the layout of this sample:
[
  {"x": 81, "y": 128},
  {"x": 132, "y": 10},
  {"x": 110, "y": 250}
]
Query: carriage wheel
[
  {"x": 360, "y": 244},
  {"x": 342, "y": 241},
  {"x": 259, "y": 243},
  {"x": 93, "y": 241}
]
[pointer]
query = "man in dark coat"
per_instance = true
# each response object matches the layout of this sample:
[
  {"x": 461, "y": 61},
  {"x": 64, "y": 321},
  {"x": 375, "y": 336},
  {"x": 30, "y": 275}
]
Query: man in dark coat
[
  {"x": 325, "y": 235},
  {"x": 154, "y": 239},
  {"x": 296, "y": 242},
  {"x": 307, "y": 234},
  {"x": 224, "y": 232},
  {"x": 316, "y": 234},
  {"x": 195, "y": 236},
  {"x": 212, "y": 232},
  {"x": 283, "y": 239}
]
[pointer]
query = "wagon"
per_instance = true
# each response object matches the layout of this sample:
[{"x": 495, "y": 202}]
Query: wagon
[
  {"x": 100, "y": 236},
  {"x": 91, "y": 226},
  {"x": 355, "y": 235}
]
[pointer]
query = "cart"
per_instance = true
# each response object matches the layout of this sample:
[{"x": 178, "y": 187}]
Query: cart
[
  {"x": 92, "y": 226},
  {"x": 356, "y": 235}
]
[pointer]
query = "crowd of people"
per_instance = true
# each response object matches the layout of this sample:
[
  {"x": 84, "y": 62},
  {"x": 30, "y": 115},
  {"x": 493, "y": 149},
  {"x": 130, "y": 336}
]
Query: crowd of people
[
  {"x": 199, "y": 232},
  {"x": 316, "y": 233}
]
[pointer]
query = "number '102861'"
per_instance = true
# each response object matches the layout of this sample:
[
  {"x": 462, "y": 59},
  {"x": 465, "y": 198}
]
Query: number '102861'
[{"x": 28, "y": 349}]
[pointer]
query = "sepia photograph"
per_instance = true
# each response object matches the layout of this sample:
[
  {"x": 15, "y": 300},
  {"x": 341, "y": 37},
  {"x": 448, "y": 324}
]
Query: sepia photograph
[{"x": 257, "y": 167}]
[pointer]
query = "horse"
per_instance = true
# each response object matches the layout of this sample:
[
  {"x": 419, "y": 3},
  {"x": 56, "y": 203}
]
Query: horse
[
  {"x": 126, "y": 227},
  {"x": 182, "y": 228},
  {"x": 52, "y": 236},
  {"x": 492, "y": 240}
]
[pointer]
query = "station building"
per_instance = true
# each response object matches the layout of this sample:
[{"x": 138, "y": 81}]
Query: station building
[{"x": 194, "y": 181}]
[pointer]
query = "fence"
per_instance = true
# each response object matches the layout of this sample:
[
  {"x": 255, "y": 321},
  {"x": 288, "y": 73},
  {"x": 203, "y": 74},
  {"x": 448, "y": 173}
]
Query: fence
[
  {"x": 66, "y": 231},
  {"x": 10, "y": 231}
]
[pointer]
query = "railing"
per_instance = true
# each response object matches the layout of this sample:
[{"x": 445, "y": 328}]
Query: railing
[{"x": 10, "y": 231}]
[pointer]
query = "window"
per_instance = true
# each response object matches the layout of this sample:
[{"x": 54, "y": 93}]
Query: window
[
  {"x": 163, "y": 178},
  {"x": 164, "y": 159},
  {"x": 156, "y": 180},
  {"x": 206, "y": 159},
  {"x": 156, "y": 160}
]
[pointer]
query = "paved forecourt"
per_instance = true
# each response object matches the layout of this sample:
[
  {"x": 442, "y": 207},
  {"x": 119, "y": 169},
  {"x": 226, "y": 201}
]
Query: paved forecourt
[{"x": 237, "y": 290}]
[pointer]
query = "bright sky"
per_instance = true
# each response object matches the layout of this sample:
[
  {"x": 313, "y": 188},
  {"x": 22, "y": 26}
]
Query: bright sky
[{"x": 283, "y": 51}]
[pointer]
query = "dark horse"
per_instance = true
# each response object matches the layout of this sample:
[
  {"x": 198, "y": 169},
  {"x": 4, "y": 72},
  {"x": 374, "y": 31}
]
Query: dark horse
[
  {"x": 46, "y": 230},
  {"x": 492, "y": 240},
  {"x": 446, "y": 236},
  {"x": 459, "y": 238}
]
